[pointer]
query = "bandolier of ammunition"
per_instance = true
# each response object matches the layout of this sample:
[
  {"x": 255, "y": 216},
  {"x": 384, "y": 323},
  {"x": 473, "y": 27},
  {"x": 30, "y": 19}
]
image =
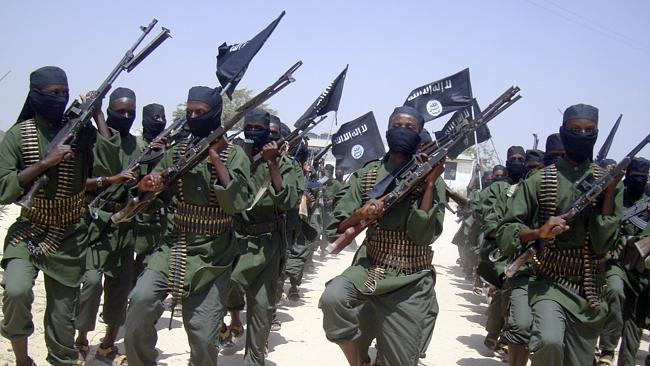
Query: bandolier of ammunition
[
  {"x": 388, "y": 249},
  {"x": 48, "y": 218},
  {"x": 208, "y": 220},
  {"x": 575, "y": 269}
]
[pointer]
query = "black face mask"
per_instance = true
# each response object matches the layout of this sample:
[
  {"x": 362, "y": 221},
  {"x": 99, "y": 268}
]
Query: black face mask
[
  {"x": 49, "y": 106},
  {"x": 635, "y": 185},
  {"x": 578, "y": 147},
  {"x": 119, "y": 122},
  {"x": 516, "y": 169},
  {"x": 500, "y": 178},
  {"x": 203, "y": 125},
  {"x": 151, "y": 127},
  {"x": 259, "y": 137},
  {"x": 403, "y": 140}
]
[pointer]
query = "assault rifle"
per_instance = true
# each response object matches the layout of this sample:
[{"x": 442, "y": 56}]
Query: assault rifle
[
  {"x": 591, "y": 192},
  {"x": 148, "y": 156},
  {"x": 413, "y": 176},
  {"x": 319, "y": 156},
  {"x": 633, "y": 214},
  {"x": 76, "y": 117},
  {"x": 197, "y": 152}
]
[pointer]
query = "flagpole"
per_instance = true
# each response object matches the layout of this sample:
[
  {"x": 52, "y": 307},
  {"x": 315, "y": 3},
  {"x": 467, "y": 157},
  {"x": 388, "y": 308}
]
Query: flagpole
[{"x": 478, "y": 159}]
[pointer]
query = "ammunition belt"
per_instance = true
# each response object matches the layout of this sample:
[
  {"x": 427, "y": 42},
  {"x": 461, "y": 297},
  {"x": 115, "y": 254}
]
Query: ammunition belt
[
  {"x": 57, "y": 212},
  {"x": 387, "y": 249},
  {"x": 177, "y": 268},
  {"x": 368, "y": 181},
  {"x": 195, "y": 219},
  {"x": 48, "y": 218},
  {"x": 575, "y": 269}
]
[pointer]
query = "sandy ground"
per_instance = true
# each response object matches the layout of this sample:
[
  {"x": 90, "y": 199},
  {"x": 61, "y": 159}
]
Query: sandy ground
[{"x": 457, "y": 339}]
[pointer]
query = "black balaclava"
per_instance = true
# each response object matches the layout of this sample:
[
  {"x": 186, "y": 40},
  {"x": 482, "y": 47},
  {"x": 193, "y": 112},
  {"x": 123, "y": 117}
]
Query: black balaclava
[
  {"x": 151, "y": 127},
  {"x": 496, "y": 178},
  {"x": 402, "y": 139},
  {"x": 635, "y": 184},
  {"x": 203, "y": 125},
  {"x": 579, "y": 147},
  {"x": 259, "y": 137},
  {"x": 534, "y": 158},
  {"x": 48, "y": 106},
  {"x": 553, "y": 143},
  {"x": 276, "y": 136},
  {"x": 117, "y": 120},
  {"x": 516, "y": 168}
]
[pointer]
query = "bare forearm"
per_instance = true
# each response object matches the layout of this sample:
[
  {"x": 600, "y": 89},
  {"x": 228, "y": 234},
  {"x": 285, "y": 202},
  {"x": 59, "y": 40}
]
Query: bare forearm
[
  {"x": 101, "y": 126},
  {"x": 222, "y": 172},
  {"x": 27, "y": 176},
  {"x": 529, "y": 235},
  {"x": 607, "y": 207},
  {"x": 427, "y": 197}
]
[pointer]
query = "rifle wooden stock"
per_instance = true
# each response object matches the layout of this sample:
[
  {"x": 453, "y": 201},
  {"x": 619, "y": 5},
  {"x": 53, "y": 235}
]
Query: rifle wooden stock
[
  {"x": 460, "y": 200},
  {"x": 78, "y": 114},
  {"x": 579, "y": 204},
  {"x": 347, "y": 237}
]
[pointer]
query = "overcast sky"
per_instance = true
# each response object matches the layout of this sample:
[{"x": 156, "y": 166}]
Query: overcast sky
[{"x": 558, "y": 52}]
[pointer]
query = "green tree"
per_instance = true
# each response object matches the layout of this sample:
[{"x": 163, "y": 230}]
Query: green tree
[{"x": 239, "y": 98}]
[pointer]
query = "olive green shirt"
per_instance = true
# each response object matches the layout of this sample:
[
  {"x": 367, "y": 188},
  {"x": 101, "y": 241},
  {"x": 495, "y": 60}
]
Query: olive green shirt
[
  {"x": 208, "y": 256},
  {"x": 523, "y": 214},
  {"x": 68, "y": 263},
  {"x": 421, "y": 227}
]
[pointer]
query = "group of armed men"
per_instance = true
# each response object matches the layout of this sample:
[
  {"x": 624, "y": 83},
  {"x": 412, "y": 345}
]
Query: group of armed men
[
  {"x": 227, "y": 234},
  {"x": 543, "y": 308}
]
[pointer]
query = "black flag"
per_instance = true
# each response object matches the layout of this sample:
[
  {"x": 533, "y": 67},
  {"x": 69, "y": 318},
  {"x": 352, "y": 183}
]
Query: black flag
[
  {"x": 443, "y": 96},
  {"x": 356, "y": 143},
  {"x": 467, "y": 113},
  {"x": 327, "y": 101},
  {"x": 232, "y": 61}
]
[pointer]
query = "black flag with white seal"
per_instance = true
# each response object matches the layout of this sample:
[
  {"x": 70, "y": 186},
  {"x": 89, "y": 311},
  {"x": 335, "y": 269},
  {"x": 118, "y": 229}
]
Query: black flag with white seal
[
  {"x": 327, "y": 101},
  {"x": 450, "y": 128},
  {"x": 232, "y": 61},
  {"x": 443, "y": 96},
  {"x": 356, "y": 143}
]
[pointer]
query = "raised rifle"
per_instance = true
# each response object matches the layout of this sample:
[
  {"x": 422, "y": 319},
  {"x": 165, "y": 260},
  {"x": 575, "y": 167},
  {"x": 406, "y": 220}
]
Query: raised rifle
[
  {"x": 78, "y": 115},
  {"x": 592, "y": 189},
  {"x": 634, "y": 214},
  {"x": 535, "y": 141},
  {"x": 604, "y": 150},
  {"x": 321, "y": 153},
  {"x": 149, "y": 156},
  {"x": 197, "y": 152},
  {"x": 413, "y": 176}
]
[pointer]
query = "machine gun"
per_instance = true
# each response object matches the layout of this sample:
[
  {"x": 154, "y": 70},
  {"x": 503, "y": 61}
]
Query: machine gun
[
  {"x": 76, "y": 117},
  {"x": 197, "y": 152},
  {"x": 416, "y": 172},
  {"x": 591, "y": 192},
  {"x": 634, "y": 215}
]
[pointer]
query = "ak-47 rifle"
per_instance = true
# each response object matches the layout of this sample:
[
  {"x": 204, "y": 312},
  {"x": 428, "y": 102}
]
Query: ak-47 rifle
[
  {"x": 321, "y": 153},
  {"x": 412, "y": 176},
  {"x": 149, "y": 156},
  {"x": 633, "y": 214},
  {"x": 591, "y": 193},
  {"x": 76, "y": 117},
  {"x": 199, "y": 151},
  {"x": 604, "y": 150}
]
